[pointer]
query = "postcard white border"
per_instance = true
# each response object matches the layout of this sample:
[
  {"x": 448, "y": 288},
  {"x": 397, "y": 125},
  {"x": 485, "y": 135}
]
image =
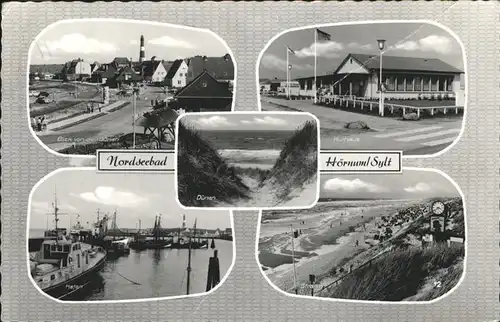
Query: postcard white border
[
  {"x": 366, "y": 22},
  {"x": 159, "y": 24},
  {"x": 457, "y": 285},
  {"x": 40, "y": 182},
  {"x": 256, "y": 113}
]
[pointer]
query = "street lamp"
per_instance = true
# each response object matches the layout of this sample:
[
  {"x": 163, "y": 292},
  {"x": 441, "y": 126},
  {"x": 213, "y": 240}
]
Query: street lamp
[
  {"x": 289, "y": 79},
  {"x": 381, "y": 45},
  {"x": 205, "y": 58}
]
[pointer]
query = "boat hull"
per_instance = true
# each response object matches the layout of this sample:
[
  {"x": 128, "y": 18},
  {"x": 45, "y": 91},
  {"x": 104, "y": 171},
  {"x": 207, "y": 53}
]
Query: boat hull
[{"x": 76, "y": 284}]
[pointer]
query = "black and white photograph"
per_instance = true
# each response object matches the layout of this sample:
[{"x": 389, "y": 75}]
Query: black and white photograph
[
  {"x": 110, "y": 237},
  {"x": 370, "y": 237},
  {"x": 384, "y": 86},
  {"x": 121, "y": 84},
  {"x": 247, "y": 160}
]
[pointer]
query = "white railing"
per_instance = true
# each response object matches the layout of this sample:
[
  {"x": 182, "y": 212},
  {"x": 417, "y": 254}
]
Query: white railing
[{"x": 347, "y": 101}]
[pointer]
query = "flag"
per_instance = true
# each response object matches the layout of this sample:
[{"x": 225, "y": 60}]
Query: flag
[
  {"x": 323, "y": 35},
  {"x": 290, "y": 50}
]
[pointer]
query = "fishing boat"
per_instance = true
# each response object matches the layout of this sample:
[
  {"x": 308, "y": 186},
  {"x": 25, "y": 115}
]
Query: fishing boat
[
  {"x": 64, "y": 266},
  {"x": 119, "y": 247},
  {"x": 157, "y": 242}
]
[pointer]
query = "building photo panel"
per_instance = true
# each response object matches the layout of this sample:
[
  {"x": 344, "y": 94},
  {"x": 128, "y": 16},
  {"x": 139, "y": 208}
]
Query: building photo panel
[
  {"x": 111, "y": 237},
  {"x": 391, "y": 238},
  {"x": 247, "y": 160},
  {"x": 397, "y": 85},
  {"x": 125, "y": 87}
]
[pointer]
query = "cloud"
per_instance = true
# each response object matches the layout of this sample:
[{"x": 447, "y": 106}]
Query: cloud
[
  {"x": 439, "y": 44},
  {"x": 213, "y": 121},
  {"x": 329, "y": 49},
  {"x": 134, "y": 42},
  {"x": 168, "y": 41},
  {"x": 44, "y": 207},
  {"x": 419, "y": 187},
  {"x": 355, "y": 45},
  {"x": 271, "y": 61},
  {"x": 356, "y": 185},
  {"x": 113, "y": 197},
  {"x": 266, "y": 120},
  {"x": 77, "y": 43}
]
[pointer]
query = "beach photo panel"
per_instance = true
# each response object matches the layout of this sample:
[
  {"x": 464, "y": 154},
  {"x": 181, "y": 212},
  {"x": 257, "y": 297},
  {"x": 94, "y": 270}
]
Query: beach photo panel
[{"x": 397, "y": 238}]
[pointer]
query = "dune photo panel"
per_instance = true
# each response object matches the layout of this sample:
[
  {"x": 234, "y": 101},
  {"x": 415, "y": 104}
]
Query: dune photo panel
[
  {"x": 247, "y": 160},
  {"x": 370, "y": 237},
  {"x": 115, "y": 237},
  {"x": 397, "y": 85},
  {"x": 123, "y": 88}
]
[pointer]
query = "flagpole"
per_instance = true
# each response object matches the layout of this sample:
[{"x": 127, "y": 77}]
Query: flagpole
[
  {"x": 293, "y": 261},
  {"x": 315, "y": 62},
  {"x": 287, "y": 73}
]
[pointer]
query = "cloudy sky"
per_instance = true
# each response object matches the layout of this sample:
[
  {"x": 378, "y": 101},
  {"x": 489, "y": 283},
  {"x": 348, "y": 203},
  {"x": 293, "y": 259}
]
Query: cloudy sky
[
  {"x": 402, "y": 39},
  {"x": 134, "y": 196},
  {"x": 247, "y": 122},
  {"x": 412, "y": 184},
  {"x": 103, "y": 40}
]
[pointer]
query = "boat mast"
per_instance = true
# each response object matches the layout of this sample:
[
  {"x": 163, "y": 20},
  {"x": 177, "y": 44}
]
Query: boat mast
[
  {"x": 189, "y": 261},
  {"x": 56, "y": 218}
]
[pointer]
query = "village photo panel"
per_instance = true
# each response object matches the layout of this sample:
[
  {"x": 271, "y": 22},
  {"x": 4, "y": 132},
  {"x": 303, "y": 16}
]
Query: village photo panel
[
  {"x": 122, "y": 237},
  {"x": 122, "y": 89},
  {"x": 336, "y": 72},
  {"x": 370, "y": 237},
  {"x": 247, "y": 160}
]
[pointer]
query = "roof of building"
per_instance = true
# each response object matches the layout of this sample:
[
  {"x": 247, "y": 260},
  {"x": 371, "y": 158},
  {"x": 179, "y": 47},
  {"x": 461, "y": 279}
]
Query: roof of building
[
  {"x": 218, "y": 67},
  {"x": 402, "y": 63},
  {"x": 121, "y": 60},
  {"x": 70, "y": 67},
  {"x": 46, "y": 68},
  {"x": 150, "y": 67},
  {"x": 127, "y": 70},
  {"x": 174, "y": 68},
  {"x": 205, "y": 86}
]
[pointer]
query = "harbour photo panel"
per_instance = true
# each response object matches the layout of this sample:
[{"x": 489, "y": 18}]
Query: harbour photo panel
[
  {"x": 124, "y": 88},
  {"x": 111, "y": 237},
  {"x": 371, "y": 237},
  {"x": 247, "y": 160},
  {"x": 384, "y": 85}
]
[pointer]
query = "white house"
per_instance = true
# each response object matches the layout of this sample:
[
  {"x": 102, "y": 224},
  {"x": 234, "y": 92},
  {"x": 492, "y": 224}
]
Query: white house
[
  {"x": 177, "y": 75},
  {"x": 154, "y": 71},
  {"x": 77, "y": 69}
]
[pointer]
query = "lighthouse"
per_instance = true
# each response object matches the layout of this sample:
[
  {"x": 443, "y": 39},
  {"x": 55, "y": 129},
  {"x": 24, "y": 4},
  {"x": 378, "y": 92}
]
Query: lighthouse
[{"x": 142, "y": 52}]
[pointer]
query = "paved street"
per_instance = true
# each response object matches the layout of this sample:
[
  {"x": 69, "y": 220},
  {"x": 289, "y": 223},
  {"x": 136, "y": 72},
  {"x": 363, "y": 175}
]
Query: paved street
[
  {"x": 414, "y": 138},
  {"x": 91, "y": 131}
]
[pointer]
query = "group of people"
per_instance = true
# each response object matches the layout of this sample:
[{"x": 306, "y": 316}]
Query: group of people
[
  {"x": 40, "y": 123},
  {"x": 90, "y": 108}
]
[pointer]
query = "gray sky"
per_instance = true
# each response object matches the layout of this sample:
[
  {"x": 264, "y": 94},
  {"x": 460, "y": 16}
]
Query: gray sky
[
  {"x": 247, "y": 122},
  {"x": 134, "y": 196},
  {"x": 103, "y": 40},
  {"x": 405, "y": 39},
  {"x": 411, "y": 184}
]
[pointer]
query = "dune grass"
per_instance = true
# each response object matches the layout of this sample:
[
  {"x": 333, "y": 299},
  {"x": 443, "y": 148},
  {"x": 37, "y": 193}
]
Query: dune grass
[
  {"x": 298, "y": 161},
  {"x": 203, "y": 172},
  {"x": 402, "y": 274}
]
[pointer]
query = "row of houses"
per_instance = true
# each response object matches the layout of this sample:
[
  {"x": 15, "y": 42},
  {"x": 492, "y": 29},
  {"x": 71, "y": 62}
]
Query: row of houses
[
  {"x": 122, "y": 70},
  {"x": 402, "y": 77}
]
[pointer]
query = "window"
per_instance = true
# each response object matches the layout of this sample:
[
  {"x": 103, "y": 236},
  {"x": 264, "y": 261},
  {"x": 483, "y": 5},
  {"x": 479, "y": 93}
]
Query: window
[
  {"x": 350, "y": 61},
  {"x": 400, "y": 84},
  {"x": 449, "y": 84},
  {"x": 180, "y": 74},
  {"x": 390, "y": 83},
  {"x": 434, "y": 84},
  {"x": 418, "y": 83},
  {"x": 409, "y": 84},
  {"x": 425, "y": 88},
  {"x": 441, "y": 85},
  {"x": 180, "y": 82}
]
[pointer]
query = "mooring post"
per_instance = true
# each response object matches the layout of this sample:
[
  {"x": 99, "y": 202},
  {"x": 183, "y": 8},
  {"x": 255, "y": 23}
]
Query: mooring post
[{"x": 213, "y": 277}]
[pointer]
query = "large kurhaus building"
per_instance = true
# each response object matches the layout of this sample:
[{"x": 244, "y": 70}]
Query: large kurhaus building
[{"x": 403, "y": 77}]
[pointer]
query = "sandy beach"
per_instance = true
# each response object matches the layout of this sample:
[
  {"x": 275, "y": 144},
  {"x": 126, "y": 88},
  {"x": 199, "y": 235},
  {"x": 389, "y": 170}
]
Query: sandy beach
[{"x": 331, "y": 234}]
